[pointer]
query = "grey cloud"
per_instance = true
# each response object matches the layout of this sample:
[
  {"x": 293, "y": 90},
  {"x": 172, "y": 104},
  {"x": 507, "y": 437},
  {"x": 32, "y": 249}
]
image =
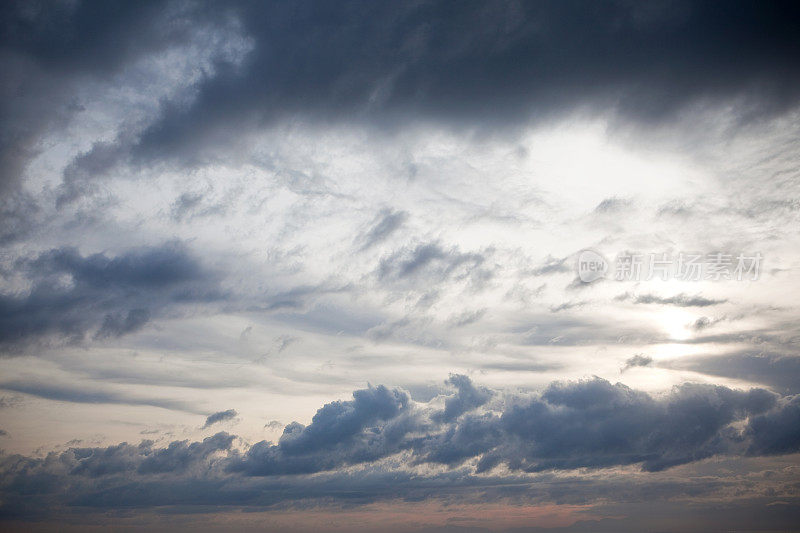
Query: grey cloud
[
  {"x": 776, "y": 432},
  {"x": 429, "y": 261},
  {"x": 596, "y": 424},
  {"x": 467, "y": 317},
  {"x": 86, "y": 394},
  {"x": 115, "y": 325},
  {"x": 552, "y": 265},
  {"x": 185, "y": 203},
  {"x": 50, "y": 47},
  {"x": 701, "y": 323},
  {"x": 678, "y": 300},
  {"x": 220, "y": 416},
  {"x": 143, "y": 458},
  {"x": 71, "y": 293},
  {"x": 191, "y": 205},
  {"x": 387, "y": 222},
  {"x": 588, "y": 424},
  {"x": 567, "y": 305},
  {"x": 612, "y": 205},
  {"x": 18, "y": 216},
  {"x": 637, "y": 360},
  {"x": 93, "y": 164},
  {"x": 520, "y": 61},
  {"x": 467, "y": 398},
  {"x": 274, "y": 424},
  {"x": 777, "y": 370},
  {"x": 369, "y": 427}
]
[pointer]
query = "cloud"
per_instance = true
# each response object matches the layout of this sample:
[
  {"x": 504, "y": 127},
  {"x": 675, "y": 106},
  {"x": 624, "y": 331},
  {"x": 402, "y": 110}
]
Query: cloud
[
  {"x": 552, "y": 265},
  {"x": 678, "y": 300},
  {"x": 70, "y": 294},
  {"x": 115, "y": 325},
  {"x": 612, "y": 205},
  {"x": 185, "y": 204},
  {"x": 511, "y": 70},
  {"x": 637, "y": 360},
  {"x": 775, "y": 432},
  {"x": 83, "y": 393},
  {"x": 50, "y": 49},
  {"x": 431, "y": 262},
  {"x": 387, "y": 222},
  {"x": 590, "y": 424},
  {"x": 467, "y": 398},
  {"x": 567, "y": 305},
  {"x": 778, "y": 370},
  {"x": 467, "y": 317},
  {"x": 366, "y": 428},
  {"x": 220, "y": 416}
]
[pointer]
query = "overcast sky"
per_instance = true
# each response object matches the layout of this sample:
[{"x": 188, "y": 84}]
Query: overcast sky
[{"x": 317, "y": 266}]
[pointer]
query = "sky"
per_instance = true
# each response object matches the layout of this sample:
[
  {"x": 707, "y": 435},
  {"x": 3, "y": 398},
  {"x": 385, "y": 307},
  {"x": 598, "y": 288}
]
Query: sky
[{"x": 413, "y": 266}]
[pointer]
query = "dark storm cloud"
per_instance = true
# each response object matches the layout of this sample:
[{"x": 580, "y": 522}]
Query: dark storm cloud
[
  {"x": 587, "y": 424},
  {"x": 499, "y": 62},
  {"x": 491, "y": 64},
  {"x": 71, "y": 294},
  {"x": 220, "y": 416},
  {"x": 47, "y": 46}
]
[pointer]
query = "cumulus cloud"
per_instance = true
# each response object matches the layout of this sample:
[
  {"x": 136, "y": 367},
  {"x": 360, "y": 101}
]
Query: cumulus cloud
[
  {"x": 467, "y": 398},
  {"x": 369, "y": 427},
  {"x": 569, "y": 425}
]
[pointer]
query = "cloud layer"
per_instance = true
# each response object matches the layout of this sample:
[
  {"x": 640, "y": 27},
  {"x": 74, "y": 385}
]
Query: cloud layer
[{"x": 571, "y": 425}]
